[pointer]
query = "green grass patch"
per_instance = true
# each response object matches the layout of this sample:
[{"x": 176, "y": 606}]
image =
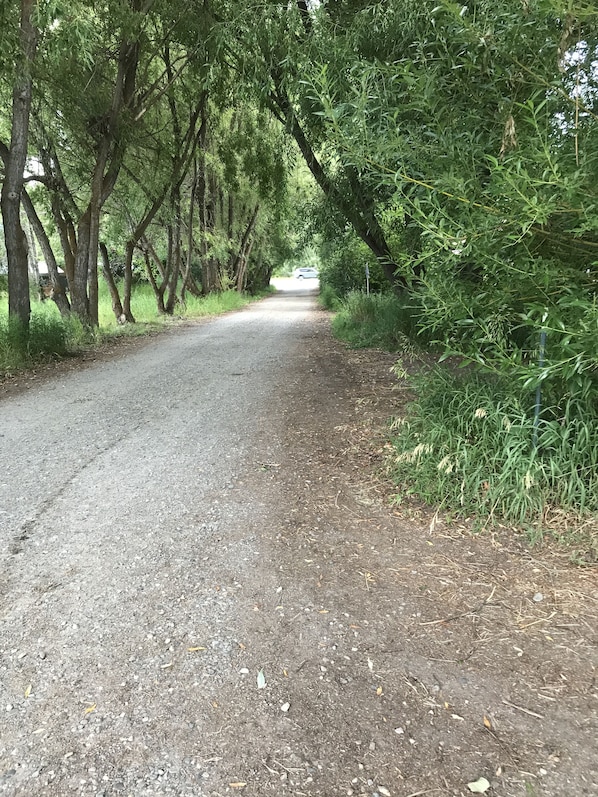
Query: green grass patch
[
  {"x": 328, "y": 298},
  {"x": 144, "y": 308},
  {"x": 48, "y": 338},
  {"x": 215, "y": 304},
  {"x": 378, "y": 320},
  {"x": 467, "y": 445}
]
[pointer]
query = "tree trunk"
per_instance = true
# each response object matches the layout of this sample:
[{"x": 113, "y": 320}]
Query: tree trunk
[
  {"x": 79, "y": 298},
  {"x": 174, "y": 250},
  {"x": 210, "y": 275},
  {"x": 189, "y": 258},
  {"x": 19, "y": 306},
  {"x": 149, "y": 255},
  {"x": 260, "y": 275},
  {"x": 110, "y": 150},
  {"x": 117, "y": 307},
  {"x": 32, "y": 265},
  {"x": 242, "y": 272},
  {"x": 128, "y": 282},
  {"x": 95, "y": 209},
  {"x": 58, "y": 289},
  {"x": 63, "y": 208},
  {"x": 356, "y": 209},
  {"x": 240, "y": 265}
]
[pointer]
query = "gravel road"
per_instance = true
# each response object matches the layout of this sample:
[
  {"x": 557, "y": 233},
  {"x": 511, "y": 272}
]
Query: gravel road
[
  {"x": 204, "y": 590},
  {"x": 127, "y": 511}
]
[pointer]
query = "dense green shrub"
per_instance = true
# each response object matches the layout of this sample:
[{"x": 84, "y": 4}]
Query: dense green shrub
[
  {"x": 343, "y": 263},
  {"x": 328, "y": 298}
]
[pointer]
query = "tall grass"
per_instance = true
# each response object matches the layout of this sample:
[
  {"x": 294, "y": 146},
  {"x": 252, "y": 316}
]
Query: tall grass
[
  {"x": 385, "y": 321},
  {"x": 329, "y": 298},
  {"x": 52, "y": 336},
  {"x": 144, "y": 308},
  {"x": 48, "y": 338},
  {"x": 467, "y": 444},
  {"x": 215, "y": 304}
]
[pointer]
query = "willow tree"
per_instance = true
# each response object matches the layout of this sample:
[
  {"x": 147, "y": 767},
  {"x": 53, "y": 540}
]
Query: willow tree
[
  {"x": 478, "y": 123},
  {"x": 14, "y": 155},
  {"x": 277, "y": 48}
]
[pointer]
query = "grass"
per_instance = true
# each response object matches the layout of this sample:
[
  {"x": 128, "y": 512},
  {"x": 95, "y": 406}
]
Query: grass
[
  {"x": 48, "y": 338},
  {"x": 466, "y": 445},
  {"x": 328, "y": 298},
  {"x": 384, "y": 321},
  {"x": 51, "y": 336},
  {"x": 143, "y": 306}
]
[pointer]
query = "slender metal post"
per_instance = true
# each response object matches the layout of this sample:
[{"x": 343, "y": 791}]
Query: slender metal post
[{"x": 538, "y": 406}]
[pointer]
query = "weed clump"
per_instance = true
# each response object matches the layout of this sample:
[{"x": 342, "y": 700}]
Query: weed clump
[
  {"x": 47, "y": 337},
  {"x": 467, "y": 444},
  {"x": 379, "y": 320}
]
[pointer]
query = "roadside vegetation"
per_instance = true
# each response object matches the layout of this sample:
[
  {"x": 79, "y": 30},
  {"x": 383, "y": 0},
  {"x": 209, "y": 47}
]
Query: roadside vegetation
[
  {"x": 496, "y": 444},
  {"x": 480, "y": 143}
]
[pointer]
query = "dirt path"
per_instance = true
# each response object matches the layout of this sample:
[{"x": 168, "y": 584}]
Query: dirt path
[{"x": 204, "y": 590}]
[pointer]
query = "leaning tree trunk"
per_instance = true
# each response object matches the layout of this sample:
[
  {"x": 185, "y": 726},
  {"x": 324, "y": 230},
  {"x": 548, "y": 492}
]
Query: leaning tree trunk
[
  {"x": 186, "y": 282},
  {"x": 117, "y": 307},
  {"x": 240, "y": 266},
  {"x": 159, "y": 294},
  {"x": 174, "y": 253},
  {"x": 128, "y": 282},
  {"x": 19, "y": 306},
  {"x": 58, "y": 293},
  {"x": 356, "y": 207},
  {"x": 210, "y": 273}
]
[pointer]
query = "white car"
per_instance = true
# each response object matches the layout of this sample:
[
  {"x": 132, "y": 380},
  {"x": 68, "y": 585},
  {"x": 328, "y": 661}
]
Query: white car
[{"x": 306, "y": 274}]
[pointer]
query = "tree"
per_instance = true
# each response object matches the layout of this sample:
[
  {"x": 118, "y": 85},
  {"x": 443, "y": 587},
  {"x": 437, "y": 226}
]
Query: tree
[
  {"x": 478, "y": 126},
  {"x": 102, "y": 90},
  {"x": 295, "y": 43},
  {"x": 14, "y": 157}
]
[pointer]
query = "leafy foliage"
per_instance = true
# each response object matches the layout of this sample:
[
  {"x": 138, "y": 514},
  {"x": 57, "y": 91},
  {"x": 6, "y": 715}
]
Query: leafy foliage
[{"x": 475, "y": 128}]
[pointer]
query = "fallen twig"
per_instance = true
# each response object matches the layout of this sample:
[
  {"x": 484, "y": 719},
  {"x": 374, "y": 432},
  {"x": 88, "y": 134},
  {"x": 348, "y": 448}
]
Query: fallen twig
[
  {"x": 525, "y": 710},
  {"x": 541, "y": 620},
  {"x": 462, "y": 614}
]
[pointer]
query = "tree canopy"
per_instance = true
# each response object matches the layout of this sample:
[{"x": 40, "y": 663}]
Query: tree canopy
[{"x": 454, "y": 147}]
